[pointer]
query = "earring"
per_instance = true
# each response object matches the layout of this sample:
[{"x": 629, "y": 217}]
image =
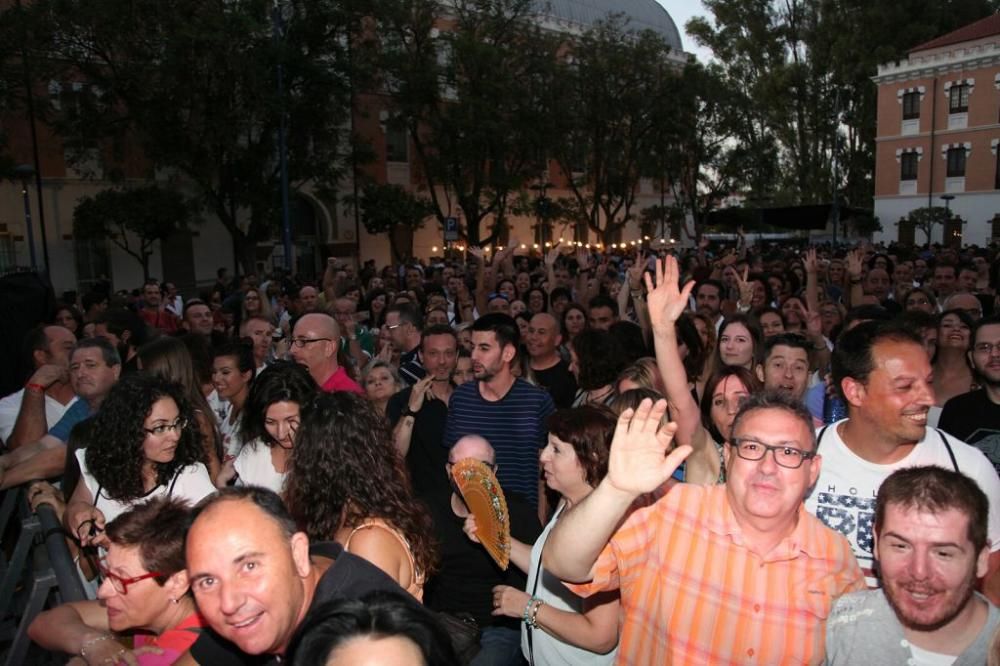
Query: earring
[{"x": 174, "y": 601}]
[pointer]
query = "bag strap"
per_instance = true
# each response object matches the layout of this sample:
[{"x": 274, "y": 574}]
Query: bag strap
[{"x": 947, "y": 446}]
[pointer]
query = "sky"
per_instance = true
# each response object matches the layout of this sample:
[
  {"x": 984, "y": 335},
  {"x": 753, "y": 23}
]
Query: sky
[{"x": 681, "y": 11}]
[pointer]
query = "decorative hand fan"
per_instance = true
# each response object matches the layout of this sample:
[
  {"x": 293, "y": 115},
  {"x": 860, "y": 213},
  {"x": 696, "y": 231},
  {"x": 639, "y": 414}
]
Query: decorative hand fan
[{"x": 484, "y": 497}]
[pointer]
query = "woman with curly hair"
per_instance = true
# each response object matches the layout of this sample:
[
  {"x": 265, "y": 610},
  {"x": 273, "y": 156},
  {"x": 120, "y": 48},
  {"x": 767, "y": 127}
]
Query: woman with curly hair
[
  {"x": 144, "y": 444},
  {"x": 347, "y": 483},
  {"x": 171, "y": 359},
  {"x": 270, "y": 422}
]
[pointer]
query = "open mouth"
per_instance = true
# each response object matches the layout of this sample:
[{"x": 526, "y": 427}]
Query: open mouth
[
  {"x": 920, "y": 418},
  {"x": 247, "y": 624}
]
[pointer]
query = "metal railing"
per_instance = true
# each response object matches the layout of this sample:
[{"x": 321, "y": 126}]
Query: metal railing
[{"x": 40, "y": 571}]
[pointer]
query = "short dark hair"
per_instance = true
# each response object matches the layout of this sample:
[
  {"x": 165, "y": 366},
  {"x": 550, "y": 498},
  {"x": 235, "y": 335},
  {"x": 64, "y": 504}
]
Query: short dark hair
[
  {"x": 992, "y": 320},
  {"x": 852, "y": 356},
  {"x": 119, "y": 320},
  {"x": 264, "y": 499},
  {"x": 603, "y": 301},
  {"x": 945, "y": 264},
  {"x": 918, "y": 320},
  {"x": 588, "y": 429},
  {"x": 190, "y": 304},
  {"x": 710, "y": 283},
  {"x": 793, "y": 340},
  {"x": 560, "y": 292},
  {"x": 759, "y": 400},
  {"x": 108, "y": 353},
  {"x": 599, "y": 357},
  {"x": 865, "y": 313},
  {"x": 157, "y": 528},
  {"x": 407, "y": 313},
  {"x": 504, "y": 326},
  {"x": 935, "y": 489},
  {"x": 92, "y": 298},
  {"x": 242, "y": 351},
  {"x": 438, "y": 329},
  {"x": 378, "y": 614}
]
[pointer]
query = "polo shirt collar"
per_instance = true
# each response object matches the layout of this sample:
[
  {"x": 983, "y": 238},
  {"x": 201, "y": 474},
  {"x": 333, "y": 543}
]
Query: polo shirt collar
[{"x": 805, "y": 538}]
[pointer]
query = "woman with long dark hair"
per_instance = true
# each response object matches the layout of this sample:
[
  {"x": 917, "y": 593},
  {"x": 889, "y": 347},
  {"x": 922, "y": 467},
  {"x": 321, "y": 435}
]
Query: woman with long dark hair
[
  {"x": 143, "y": 443},
  {"x": 268, "y": 429},
  {"x": 233, "y": 368},
  {"x": 347, "y": 483}
]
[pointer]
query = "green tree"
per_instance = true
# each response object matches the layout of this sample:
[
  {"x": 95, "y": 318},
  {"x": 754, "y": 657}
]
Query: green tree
[
  {"x": 466, "y": 78},
  {"x": 391, "y": 210},
  {"x": 605, "y": 98},
  {"x": 928, "y": 217},
  {"x": 193, "y": 85},
  {"x": 134, "y": 219}
]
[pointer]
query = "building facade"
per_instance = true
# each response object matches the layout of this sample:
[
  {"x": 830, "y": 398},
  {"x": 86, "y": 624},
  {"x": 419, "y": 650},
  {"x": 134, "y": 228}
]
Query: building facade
[{"x": 937, "y": 137}]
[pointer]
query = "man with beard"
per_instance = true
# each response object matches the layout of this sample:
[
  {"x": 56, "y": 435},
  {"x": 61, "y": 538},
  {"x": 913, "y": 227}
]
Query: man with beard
[
  {"x": 786, "y": 365},
  {"x": 708, "y": 300},
  {"x": 931, "y": 545},
  {"x": 507, "y": 411},
  {"x": 974, "y": 417},
  {"x": 882, "y": 371}
]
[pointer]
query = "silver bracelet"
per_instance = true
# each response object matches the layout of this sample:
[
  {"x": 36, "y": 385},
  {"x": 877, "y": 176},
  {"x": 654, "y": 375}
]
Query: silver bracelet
[{"x": 97, "y": 639}]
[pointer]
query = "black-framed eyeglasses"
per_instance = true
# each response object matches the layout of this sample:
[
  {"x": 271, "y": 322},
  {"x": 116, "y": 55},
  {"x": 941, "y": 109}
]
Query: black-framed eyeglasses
[
  {"x": 785, "y": 455},
  {"x": 302, "y": 342},
  {"x": 986, "y": 347},
  {"x": 162, "y": 428},
  {"x": 121, "y": 584}
]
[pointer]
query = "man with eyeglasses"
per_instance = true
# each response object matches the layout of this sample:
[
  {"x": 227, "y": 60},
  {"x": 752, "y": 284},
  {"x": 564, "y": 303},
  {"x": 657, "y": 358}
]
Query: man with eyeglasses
[
  {"x": 882, "y": 371},
  {"x": 974, "y": 417},
  {"x": 403, "y": 322},
  {"x": 315, "y": 342},
  {"x": 738, "y": 572}
]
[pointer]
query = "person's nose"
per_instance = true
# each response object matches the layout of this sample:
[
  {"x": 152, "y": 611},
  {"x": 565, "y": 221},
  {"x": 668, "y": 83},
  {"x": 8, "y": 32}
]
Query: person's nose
[{"x": 230, "y": 599}]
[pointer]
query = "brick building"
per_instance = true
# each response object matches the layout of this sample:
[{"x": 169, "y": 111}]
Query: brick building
[{"x": 937, "y": 137}]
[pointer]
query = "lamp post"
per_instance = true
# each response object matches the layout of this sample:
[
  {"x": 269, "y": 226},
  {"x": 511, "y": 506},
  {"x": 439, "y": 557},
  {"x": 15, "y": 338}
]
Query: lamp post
[{"x": 24, "y": 172}]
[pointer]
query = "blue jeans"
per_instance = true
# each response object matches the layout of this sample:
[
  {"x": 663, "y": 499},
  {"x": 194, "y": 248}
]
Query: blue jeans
[{"x": 499, "y": 646}]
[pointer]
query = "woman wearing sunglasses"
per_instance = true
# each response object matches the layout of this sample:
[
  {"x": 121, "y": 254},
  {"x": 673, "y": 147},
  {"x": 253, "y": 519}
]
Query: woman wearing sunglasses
[
  {"x": 144, "y": 593},
  {"x": 143, "y": 443}
]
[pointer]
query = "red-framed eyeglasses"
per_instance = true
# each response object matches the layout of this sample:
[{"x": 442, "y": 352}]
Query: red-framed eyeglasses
[{"x": 121, "y": 584}]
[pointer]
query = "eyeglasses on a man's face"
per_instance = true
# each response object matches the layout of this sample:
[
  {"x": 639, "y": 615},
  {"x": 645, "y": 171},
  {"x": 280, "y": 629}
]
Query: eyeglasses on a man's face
[
  {"x": 302, "y": 342},
  {"x": 785, "y": 455}
]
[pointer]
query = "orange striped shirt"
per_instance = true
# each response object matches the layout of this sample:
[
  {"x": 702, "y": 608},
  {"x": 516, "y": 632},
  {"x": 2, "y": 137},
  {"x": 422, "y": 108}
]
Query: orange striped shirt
[{"x": 692, "y": 593}]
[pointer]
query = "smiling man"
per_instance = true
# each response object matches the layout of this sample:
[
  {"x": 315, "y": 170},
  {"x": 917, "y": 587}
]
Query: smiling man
[
  {"x": 930, "y": 528},
  {"x": 786, "y": 365},
  {"x": 884, "y": 374},
  {"x": 255, "y": 576},
  {"x": 720, "y": 574}
]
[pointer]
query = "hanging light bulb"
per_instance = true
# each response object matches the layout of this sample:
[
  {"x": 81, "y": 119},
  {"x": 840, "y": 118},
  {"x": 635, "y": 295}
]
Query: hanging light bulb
[{"x": 434, "y": 248}]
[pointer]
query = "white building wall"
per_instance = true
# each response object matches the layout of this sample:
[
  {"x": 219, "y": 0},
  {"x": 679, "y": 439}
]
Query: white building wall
[{"x": 976, "y": 208}]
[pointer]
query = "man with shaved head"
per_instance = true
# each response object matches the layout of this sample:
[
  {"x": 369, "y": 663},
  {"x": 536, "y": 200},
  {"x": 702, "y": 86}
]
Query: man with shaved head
[
  {"x": 550, "y": 369},
  {"x": 255, "y": 576},
  {"x": 315, "y": 341},
  {"x": 466, "y": 574}
]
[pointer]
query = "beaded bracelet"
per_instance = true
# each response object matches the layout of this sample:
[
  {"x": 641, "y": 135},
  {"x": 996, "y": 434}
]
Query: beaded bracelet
[
  {"x": 533, "y": 622},
  {"x": 527, "y": 610}
]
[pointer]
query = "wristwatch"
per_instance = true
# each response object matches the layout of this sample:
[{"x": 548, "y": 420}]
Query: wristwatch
[{"x": 408, "y": 412}]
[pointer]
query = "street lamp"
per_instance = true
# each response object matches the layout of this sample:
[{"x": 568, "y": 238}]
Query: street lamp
[
  {"x": 947, "y": 199},
  {"x": 24, "y": 172}
]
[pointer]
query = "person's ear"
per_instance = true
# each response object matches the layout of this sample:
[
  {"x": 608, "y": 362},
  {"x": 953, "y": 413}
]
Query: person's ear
[
  {"x": 300, "y": 554},
  {"x": 508, "y": 353},
  {"x": 983, "y": 561},
  {"x": 759, "y": 370},
  {"x": 125, "y": 336},
  {"x": 177, "y": 585},
  {"x": 854, "y": 391}
]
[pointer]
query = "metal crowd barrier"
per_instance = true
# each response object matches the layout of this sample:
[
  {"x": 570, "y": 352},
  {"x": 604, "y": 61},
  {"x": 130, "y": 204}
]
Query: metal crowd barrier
[{"x": 40, "y": 568}]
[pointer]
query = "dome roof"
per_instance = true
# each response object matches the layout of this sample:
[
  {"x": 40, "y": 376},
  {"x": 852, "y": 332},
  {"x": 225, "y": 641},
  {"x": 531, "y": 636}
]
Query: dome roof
[{"x": 641, "y": 15}]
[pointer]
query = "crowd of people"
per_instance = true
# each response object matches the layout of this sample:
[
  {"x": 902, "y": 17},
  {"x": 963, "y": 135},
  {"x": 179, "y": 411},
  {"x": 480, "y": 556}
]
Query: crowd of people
[{"x": 721, "y": 454}]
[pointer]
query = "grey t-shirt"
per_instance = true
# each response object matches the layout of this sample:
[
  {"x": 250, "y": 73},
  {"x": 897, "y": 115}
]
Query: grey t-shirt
[{"x": 863, "y": 629}]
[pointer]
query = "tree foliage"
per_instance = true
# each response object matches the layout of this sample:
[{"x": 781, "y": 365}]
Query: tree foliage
[
  {"x": 133, "y": 219},
  {"x": 386, "y": 208},
  {"x": 193, "y": 85},
  {"x": 469, "y": 95},
  {"x": 928, "y": 217}
]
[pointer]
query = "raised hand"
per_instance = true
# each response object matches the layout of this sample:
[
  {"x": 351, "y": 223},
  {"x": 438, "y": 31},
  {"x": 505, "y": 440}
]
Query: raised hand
[
  {"x": 745, "y": 288},
  {"x": 854, "y": 264},
  {"x": 666, "y": 300},
  {"x": 552, "y": 255},
  {"x": 419, "y": 392},
  {"x": 810, "y": 262},
  {"x": 476, "y": 252},
  {"x": 638, "y": 462},
  {"x": 636, "y": 270}
]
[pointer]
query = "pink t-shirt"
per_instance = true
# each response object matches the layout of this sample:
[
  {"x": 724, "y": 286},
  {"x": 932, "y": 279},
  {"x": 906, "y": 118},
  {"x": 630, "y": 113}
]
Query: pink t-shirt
[{"x": 340, "y": 381}]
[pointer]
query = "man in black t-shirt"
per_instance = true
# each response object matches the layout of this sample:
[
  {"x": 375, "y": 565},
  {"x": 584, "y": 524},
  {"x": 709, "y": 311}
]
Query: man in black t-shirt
[
  {"x": 551, "y": 371},
  {"x": 255, "y": 576},
  {"x": 466, "y": 575},
  {"x": 418, "y": 414},
  {"x": 975, "y": 416}
]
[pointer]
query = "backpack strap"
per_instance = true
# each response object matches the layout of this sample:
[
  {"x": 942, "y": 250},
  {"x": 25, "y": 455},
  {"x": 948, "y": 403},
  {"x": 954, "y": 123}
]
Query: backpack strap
[{"x": 947, "y": 446}]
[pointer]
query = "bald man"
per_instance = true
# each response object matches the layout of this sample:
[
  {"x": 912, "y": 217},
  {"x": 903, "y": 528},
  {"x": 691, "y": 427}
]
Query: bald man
[
  {"x": 315, "y": 341},
  {"x": 467, "y": 575},
  {"x": 550, "y": 369}
]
